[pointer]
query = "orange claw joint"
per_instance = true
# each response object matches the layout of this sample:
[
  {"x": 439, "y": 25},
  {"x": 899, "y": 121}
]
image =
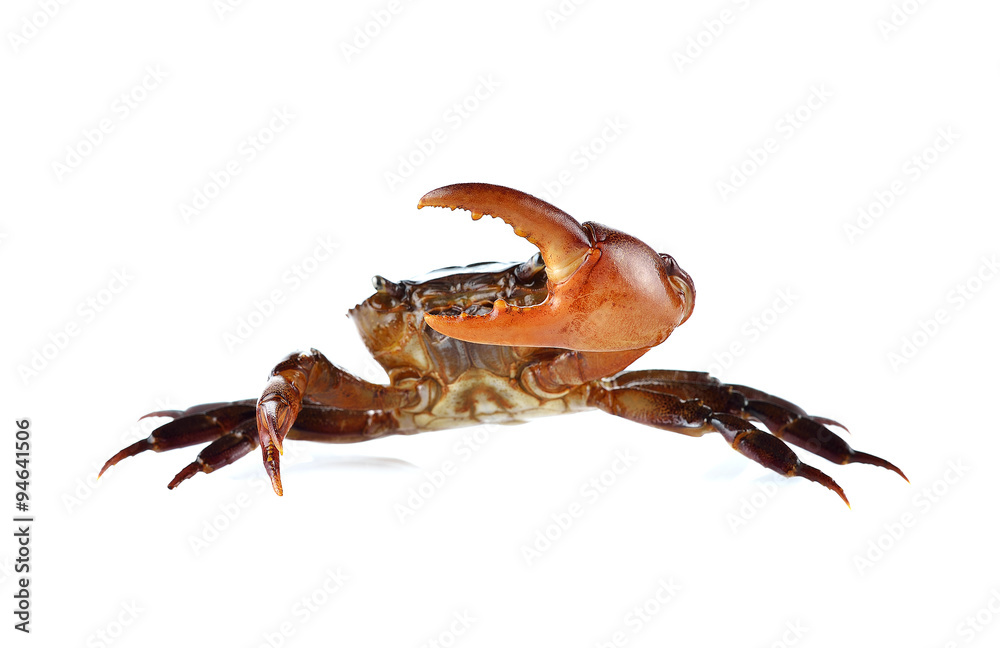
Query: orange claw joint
[{"x": 607, "y": 291}]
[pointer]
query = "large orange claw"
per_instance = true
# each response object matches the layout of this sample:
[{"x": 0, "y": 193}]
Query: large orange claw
[{"x": 607, "y": 291}]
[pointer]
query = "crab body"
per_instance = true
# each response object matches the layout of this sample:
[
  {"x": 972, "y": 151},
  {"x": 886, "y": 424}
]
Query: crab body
[
  {"x": 493, "y": 343},
  {"x": 467, "y": 383}
]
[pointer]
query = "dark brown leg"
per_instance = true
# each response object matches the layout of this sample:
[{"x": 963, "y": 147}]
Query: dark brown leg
[
  {"x": 221, "y": 452},
  {"x": 333, "y": 405},
  {"x": 694, "y": 403},
  {"x": 232, "y": 429},
  {"x": 192, "y": 426}
]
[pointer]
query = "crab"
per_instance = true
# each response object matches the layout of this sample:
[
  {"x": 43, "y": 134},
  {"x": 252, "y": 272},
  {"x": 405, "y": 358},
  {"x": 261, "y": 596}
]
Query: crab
[{"x": 492, "y": 343}]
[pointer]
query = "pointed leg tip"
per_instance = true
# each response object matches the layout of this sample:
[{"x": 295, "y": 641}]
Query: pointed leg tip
[
  {"x": 865, "y": 458},
  {"x": 897, "y": 471},
  {"x": 840, "y": 491},
  {"x": 821, "y": 478},
  {"x": 188, "y": 472},
  {"x": 828, "y": 421},
  {"x": 893, "y": 468},
  {"x": 164, "y": 413},
  {"x": 130, "y": 451},
  {"x": 834, "y": 486}
]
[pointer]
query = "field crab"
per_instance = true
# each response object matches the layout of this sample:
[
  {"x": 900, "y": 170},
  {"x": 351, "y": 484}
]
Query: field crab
[{"x": 503, "y": 344}]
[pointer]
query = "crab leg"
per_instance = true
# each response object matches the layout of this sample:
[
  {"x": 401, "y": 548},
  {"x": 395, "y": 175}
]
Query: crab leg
[
  {"x": 783, "y": 419},
  {"x": 221, "y": 452},
  {"x": 667, "y": 412},
  {"x": 350, "y": 410},
  {"x": 311, "y": 378},
  {"x": 232, "y": 428},
  {"x": 694, "y": 403},
  {"x": 322, "y": 424},
  {"x": 191, "y": 427}
]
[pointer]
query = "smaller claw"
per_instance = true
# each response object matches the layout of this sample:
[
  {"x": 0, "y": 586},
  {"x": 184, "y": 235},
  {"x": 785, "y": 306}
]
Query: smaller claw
[
  {"x": 268, "y": 424},
  {"x": 272, "y": 464},
  {"x": 273, "y": 422}
]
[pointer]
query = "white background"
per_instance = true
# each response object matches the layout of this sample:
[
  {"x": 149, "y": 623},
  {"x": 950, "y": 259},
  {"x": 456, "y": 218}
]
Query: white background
[{"x": 755, "y": 560}]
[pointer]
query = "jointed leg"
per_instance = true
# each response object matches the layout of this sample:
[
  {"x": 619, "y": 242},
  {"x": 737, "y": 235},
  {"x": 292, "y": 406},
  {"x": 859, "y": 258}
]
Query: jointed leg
[
  {"x": 232, "y": 429},
  {"x": 192, "y": 426},
  {"x": 695, "y": 403},
  {"x": 322, "y": 401}
]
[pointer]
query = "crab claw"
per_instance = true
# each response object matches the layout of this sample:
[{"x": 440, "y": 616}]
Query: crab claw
[{"x": 607, "y": 291}]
